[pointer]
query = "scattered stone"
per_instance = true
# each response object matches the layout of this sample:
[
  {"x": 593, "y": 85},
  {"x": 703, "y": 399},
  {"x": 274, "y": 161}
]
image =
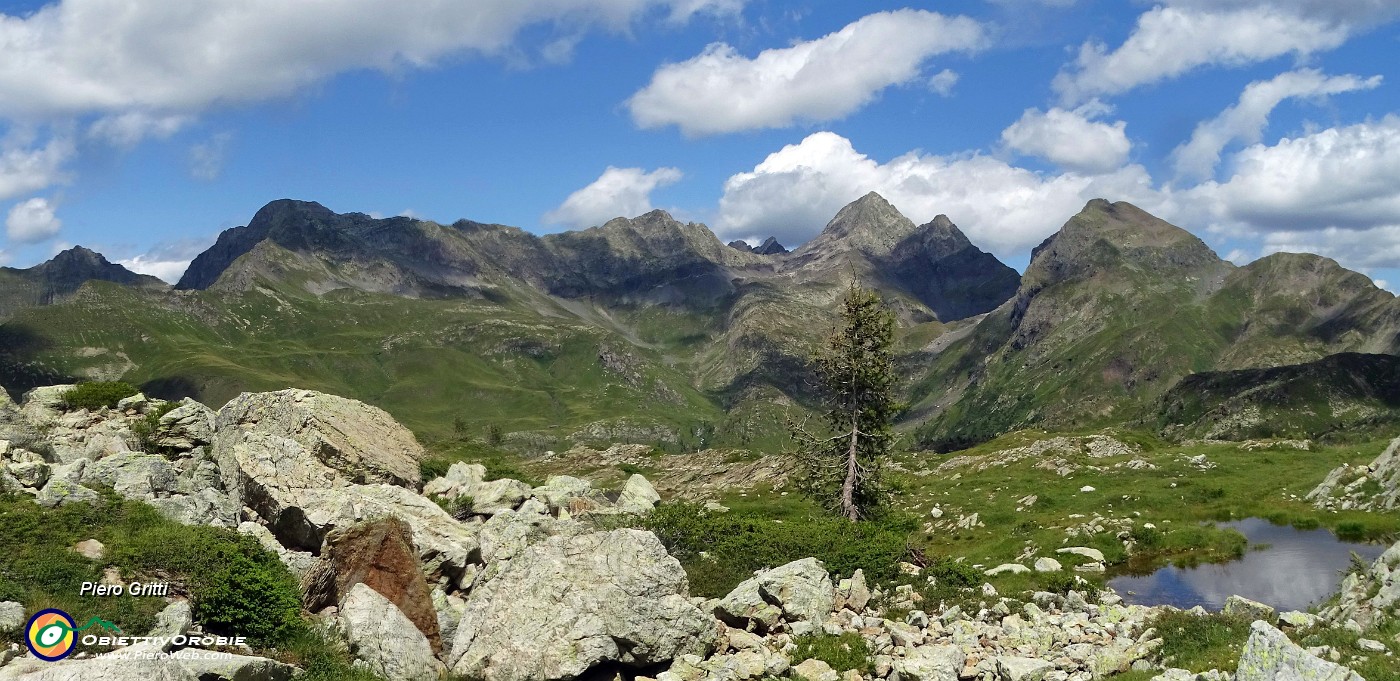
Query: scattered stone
[
  {"x": 1092, "y": 554},
  {"x": 90, "y": 549},
  {"x": 1012, "y": 568},
  {"x": 1243, "y": 608},
  {"x": 1298, "y": 620},
  {"x": 638, "y": 496},
  {"x": 930, "y": 663},
  {"x": 852, "y": 593},
  {"x": 1370, "y": 645},
  {"x": 814, "y": 670},
  {"x": 11, "y": 614},
  {"x": 1047, "y": 565},
  {"x": 1011, "y": 668},
  {"x": 1087, "y": 488}
]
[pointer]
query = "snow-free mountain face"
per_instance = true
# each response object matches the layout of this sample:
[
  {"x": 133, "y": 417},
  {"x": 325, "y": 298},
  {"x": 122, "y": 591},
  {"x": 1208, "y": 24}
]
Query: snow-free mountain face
[{"x": 653, "y": 329}]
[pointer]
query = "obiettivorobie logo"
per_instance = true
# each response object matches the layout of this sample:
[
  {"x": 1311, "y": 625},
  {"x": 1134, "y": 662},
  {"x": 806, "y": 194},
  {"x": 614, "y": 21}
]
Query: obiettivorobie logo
[{"x": 53, "y": 635}]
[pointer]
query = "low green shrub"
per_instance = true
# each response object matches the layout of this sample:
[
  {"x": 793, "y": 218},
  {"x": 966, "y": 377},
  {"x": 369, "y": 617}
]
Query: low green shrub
[
  {"x": 236, "y": 586},
  {"x": 736, "y": 543},
  {"x": 630, "y": 468},
  {"x": 147, "y": 429},
  {"x": 844, "y": 652},
  {"x": 1351, "y": 530},
  {"x": 94, "y": 395}
]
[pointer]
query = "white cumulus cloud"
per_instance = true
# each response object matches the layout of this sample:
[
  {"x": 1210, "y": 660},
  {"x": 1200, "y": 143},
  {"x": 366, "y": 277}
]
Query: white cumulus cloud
[
  {"x": 118, "y": 56},
  {"x": 1169, "y": 41},
  {"x": 722, "y": 91},
  {"x": 1001, "y": 207},
  {"x": 31, "y": 221},
  {"x": 1245, "y": 121},
  {"x": 26, "y": 168},
  {"x": 1071, "y": 139},
  {"x": 1341, "y": 177},
  {"x": 618, "y": 192}
]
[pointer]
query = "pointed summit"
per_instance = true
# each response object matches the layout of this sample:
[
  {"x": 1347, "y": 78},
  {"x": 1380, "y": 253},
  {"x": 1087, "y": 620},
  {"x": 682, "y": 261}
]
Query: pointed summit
[
  {"x": 68, "y": 270},
  {"x": 869, "y": 224},
  {"x": 1106, "y": 236}
]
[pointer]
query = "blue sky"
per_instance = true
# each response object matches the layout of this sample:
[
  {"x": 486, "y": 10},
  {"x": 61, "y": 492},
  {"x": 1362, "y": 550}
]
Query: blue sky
[{"x": 142, "y": 128}]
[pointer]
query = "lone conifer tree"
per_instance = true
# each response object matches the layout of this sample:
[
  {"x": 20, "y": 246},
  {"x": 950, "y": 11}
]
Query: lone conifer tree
[{"x": 857, "y": 378}]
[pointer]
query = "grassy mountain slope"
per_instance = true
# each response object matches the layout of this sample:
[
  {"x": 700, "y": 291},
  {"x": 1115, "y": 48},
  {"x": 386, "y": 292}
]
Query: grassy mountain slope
[
  {"x": 1342, "y": 393},
  {"x": 1116, "y": 308}
]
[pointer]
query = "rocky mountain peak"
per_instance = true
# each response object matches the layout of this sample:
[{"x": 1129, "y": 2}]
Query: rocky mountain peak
[
  {"x": 68, "y": 270},
  {"x": 869, "y": 224},
  {"x": 1105, "y": 236}
]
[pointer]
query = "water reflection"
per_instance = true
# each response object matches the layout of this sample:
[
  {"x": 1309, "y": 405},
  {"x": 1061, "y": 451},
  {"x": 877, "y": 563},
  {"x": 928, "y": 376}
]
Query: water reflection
[{"x": 1296, "y": 569}]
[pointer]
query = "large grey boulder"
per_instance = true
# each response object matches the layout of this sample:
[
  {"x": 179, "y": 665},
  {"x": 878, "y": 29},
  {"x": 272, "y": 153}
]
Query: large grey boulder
[
  {"x": 569, "y": 603},
  {"x": 185, "y": 427},
  {"x": 302, "y": 500},
  {"x": 383, "y": 639},
  {"x": 43, "y": 406},
  {"x": 361, "y": 443},
  {"x": 61, "y": 491},
  {"x": 800, "y": 591},
  {"x": 638, "y": 496},
  {"x": 1270, "y": 656},
  {"x": 133, "y": 475},
  {"x": 567, "y": 494}
]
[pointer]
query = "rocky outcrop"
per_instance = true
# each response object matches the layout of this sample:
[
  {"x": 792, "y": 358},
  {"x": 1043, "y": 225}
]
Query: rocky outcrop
[
  {"x": 361, "y": 443},
  {"x": 570, "y": 603},
  {"x": 1368, "y": 597},
  {"x": 1371, "y": 487},
  {"x": 384, "y": 640},
  {"x": 1270, "y": 656}
]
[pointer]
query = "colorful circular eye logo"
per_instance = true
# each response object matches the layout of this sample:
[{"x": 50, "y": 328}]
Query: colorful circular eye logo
[{"x": 50, "y": 635}]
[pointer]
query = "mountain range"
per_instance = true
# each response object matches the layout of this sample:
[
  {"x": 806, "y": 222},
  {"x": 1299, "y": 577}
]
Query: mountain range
[{"x": 654, "y": 330}]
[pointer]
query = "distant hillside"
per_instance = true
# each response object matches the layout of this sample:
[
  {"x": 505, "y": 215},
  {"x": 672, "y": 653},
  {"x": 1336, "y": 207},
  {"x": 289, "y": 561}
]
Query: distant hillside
[
  {"x": 1346, "y": 393},
  {"x": 61, "y": 277},
  {"x": 1119, "y": 306},
  {"x": 644, "y": 328}
]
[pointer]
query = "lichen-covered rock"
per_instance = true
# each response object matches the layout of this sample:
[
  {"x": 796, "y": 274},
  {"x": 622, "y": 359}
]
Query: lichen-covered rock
[
  {"x": 1243, "y": 608},
  {"x": 638, "y": 496},
  {"x": 814, "y": 670},
  {"x": 361, "y": 443},
  {"x": 853, "y": 593},
  {"x": 797, "y": 592},
  {"x": 11, "y": 616},
  {"x": 185, "y": 427},
  {"x": 568, "y": 603},
  {"x": 383, "y": 639},
  {"x": 61, "y": 491},
  {"x": 930, "y": 663},
  {"x": 1270, "y": 656},
  {"x": 133, "y": 475},
  {"x": 567, "y": 494},
  {"x": 1012, "y": 668}
]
